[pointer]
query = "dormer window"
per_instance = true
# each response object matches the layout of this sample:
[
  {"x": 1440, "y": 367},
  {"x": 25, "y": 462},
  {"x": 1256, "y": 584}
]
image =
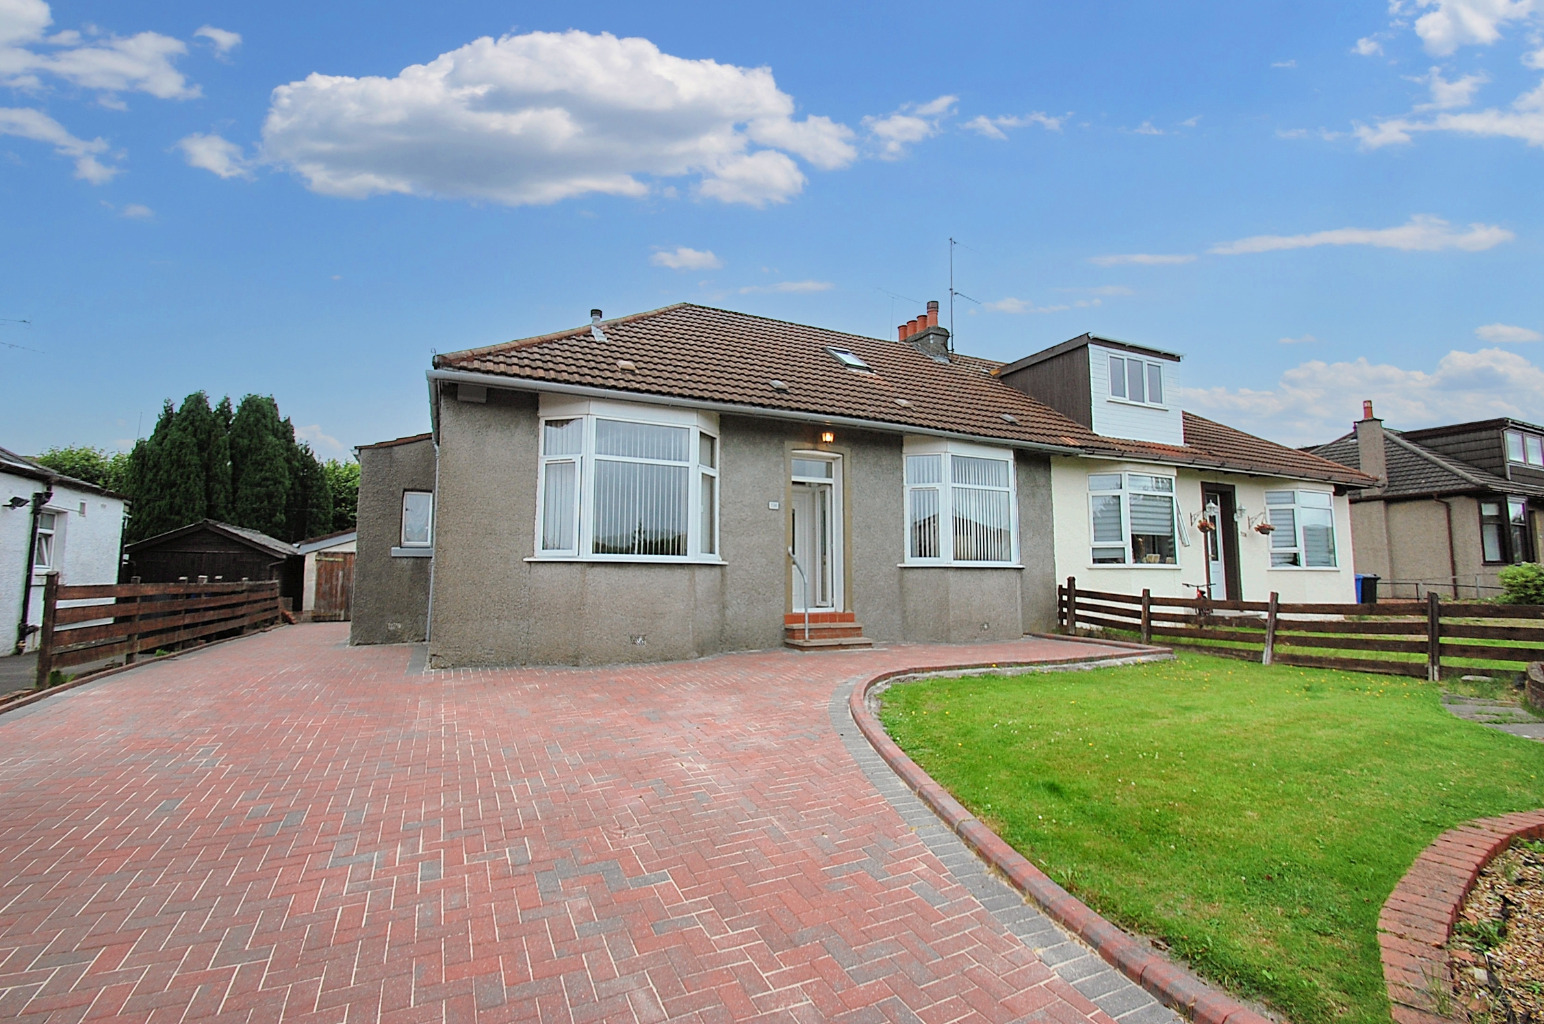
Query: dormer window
[
  {"x": 848, "y": 359},
  {"x": 1136, "y": 380},
  {"x": 1525, "y": 448}
]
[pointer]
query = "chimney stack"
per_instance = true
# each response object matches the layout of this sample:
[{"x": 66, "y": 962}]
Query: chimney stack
[
  {"x": 1369, "y": 445},
  {"x": 595, "y": 329},
  {"x": 926, "y": 336}
]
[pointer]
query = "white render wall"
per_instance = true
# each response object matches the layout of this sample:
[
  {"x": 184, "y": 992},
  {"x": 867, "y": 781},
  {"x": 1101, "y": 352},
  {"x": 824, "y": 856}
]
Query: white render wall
[
  {"x": 1073, "y": 538},
  {"x": 87, "y": 546},
  {"x": 1115, "y": 417}
]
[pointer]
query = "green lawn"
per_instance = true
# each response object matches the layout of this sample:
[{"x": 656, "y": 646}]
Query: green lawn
[{"x": 1253, "y": 819}]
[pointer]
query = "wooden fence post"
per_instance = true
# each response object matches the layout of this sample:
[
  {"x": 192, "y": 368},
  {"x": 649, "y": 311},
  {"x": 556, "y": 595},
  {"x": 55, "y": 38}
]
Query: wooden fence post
[
  {"x": 131, "y": 655},
  {"x": 1433, "y": 636},
  {"x": 1268, "y": 655},
  {"x": 46, "y": 633},
  {"x": 1147, "y": 616},
  {"x": 1072, "y": 604}
]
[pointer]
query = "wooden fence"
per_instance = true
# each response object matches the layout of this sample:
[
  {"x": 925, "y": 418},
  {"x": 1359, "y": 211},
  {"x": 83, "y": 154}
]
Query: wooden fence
[
  {"x": 122, "y": 620},
  {"x": 1274, "y": 633}
]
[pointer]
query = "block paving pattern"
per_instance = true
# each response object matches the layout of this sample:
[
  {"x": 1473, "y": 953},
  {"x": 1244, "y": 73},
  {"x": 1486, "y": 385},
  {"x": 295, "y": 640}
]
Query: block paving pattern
[{"x": 286, "y": 828}]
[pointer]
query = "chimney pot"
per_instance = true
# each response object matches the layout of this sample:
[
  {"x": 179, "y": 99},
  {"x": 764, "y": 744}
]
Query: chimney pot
[
  {"x": 1367, "y": 409},
  {"x": 932, "y": 313},
  {"x": 901, "y": 333},
  {"x": 595, "y": 316},
  {"x": 916, "y": 324}
]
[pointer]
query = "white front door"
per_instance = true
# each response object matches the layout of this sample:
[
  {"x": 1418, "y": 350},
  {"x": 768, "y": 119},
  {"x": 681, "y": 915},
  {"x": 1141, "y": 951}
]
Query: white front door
[
  {"x": 1218, "y": 576},
  {"x": 817, "y": 574}
]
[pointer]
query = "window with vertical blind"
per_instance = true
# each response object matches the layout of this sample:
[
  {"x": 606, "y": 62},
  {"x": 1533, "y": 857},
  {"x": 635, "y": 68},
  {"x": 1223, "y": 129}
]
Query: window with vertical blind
[
  {"x": 613, "y": 487},
  {"x": 1132, "y": 519},
  {"x": 960, "y": 507},
  {"x": 1304, "y": 534}
]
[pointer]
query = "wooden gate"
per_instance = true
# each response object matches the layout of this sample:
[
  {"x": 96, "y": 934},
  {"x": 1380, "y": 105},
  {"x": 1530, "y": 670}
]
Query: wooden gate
[{"x": 334, "y": 586}]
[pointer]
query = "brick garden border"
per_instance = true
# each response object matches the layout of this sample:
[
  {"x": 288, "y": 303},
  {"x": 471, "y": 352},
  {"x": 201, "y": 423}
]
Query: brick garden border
[
  {"x": 1417, "y": 921},
  {"x": 1169, "y": 983}
]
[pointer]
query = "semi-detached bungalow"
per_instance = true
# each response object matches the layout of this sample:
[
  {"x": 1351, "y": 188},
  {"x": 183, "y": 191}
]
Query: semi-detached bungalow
[{"x": 691, "y": 480}]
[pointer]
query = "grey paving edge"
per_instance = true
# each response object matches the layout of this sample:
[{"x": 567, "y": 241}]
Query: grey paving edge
[{"x": 1125, "y": 1000}]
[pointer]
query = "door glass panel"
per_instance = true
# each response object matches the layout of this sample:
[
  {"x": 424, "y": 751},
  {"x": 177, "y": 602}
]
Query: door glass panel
[{"x": 818, "y": 468}]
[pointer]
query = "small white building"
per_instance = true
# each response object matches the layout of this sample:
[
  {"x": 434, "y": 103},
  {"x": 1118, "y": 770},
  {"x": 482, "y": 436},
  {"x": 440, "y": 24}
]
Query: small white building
[
  {"x": 1276, "y": 519},
  {"x": 327, "y": 591},
  {"x": 79, "y": 534}
]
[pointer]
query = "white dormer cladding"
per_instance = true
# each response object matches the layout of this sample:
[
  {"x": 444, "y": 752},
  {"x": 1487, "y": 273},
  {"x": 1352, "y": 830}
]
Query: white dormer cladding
[{"x": 1118, "y": 412}]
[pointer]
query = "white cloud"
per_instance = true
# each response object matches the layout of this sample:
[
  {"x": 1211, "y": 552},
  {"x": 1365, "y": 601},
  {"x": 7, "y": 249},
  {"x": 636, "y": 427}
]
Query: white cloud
[
  {"x": 1307, "y": 339},
  {"x": 1457, "y": 23},
  {"x": 106, "y": 63},
  {"x": 1524, "y": 121},
  {"x": 1367, "y": 46},
  {"x": 1190, "y": 122},
  {"x": 222, "y": 40},
  {"x": 992, "y": 127},
  {"x": 1012, "y": 305},
  {"x": 683, "y": 258},
  {"x": 1142, "y": 259},
  {"x": 789, "y": 286},
  {"x": 541, "y": 117},
  {"x": 1447, "y": 95},
  {"x": 1146, "y": 128},
  {"x": 1423, "y": 233},
  {"x": 1317, "y": 401},
  {"x": 214, "y": 154},
  {"x": 137, "y": 211},
  {"x": 1285, "y": 64},
  {"x": 1505, "y": 334},
  {"x": 27, "y": 123},
  {"x": 910, "y": 124},
  {"x": 322, "y": 442}
]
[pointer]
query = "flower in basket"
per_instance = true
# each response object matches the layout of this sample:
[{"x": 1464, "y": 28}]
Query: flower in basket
[
  {"x": 1206, "y": 526},
  {"x": 1265, "y": 528}
]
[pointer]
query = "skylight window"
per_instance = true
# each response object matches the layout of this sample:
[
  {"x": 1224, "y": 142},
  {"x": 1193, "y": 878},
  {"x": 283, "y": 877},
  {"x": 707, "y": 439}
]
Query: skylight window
[{"x": 848, "y": 359}]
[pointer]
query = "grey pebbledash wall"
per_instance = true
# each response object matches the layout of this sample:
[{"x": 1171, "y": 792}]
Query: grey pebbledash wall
[
  {"x": 494, "y": 606},
  {"x": 391, "y": 595}
]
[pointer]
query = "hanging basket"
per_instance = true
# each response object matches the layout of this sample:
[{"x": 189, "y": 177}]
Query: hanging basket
[
  {"x": 1205, "y": 526},
  {"x": 1265, "y": 528}
]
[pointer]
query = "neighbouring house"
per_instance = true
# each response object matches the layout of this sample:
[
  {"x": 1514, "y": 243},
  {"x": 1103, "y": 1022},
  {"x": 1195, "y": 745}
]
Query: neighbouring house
[
  {"x": 69, "y": 526},
  {"x": 692, "y": 480},
  {"x": 395, "y": 541},
  {"x": 1453, "y": 506},
  {"x": 327, "y": 580},
  {"x": 215, "y": 551}
]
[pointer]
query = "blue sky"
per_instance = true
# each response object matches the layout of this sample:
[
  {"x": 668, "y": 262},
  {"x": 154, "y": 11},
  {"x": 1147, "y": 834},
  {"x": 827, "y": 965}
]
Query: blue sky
[{"x": 1315, "y": 203}]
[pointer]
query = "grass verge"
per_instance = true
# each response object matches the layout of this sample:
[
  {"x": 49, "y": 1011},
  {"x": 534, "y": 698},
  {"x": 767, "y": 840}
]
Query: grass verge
[{"x": 1253, "y": 819}]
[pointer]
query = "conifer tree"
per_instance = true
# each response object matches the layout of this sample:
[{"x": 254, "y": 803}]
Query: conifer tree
[{"x": 260, "y": 466}]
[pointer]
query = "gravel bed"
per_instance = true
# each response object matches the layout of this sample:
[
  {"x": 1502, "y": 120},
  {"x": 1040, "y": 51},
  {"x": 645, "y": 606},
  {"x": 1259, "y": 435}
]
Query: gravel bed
[{"x": 1497, "y": 947}]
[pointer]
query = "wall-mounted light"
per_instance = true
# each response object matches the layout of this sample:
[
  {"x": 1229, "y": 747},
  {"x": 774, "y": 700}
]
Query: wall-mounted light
[{"x": 827, "y": 436}]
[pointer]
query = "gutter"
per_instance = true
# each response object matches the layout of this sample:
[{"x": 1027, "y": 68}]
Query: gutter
[
  {"x": 584, "y": 391},
  {"x": 1452, "y": 555}
]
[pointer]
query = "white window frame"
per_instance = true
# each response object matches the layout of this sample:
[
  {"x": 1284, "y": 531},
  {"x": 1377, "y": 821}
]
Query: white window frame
[
  {"x": 1124, "y": 493},
  {"x": 1298, "y": 547},
  {"x": 1149, "y": 367},
  {"x": 402, "y": 533},
  {"x": 945, "y": 488},
  {"x": 699, "y": 478},
  {"x": 1530, "y": 448},
  {"x": 47, "y": 541}
]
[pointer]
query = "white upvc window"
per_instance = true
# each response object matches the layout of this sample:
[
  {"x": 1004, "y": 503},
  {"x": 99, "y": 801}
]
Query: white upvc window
[
  {"x": 417, "y": 519},
  {"x": 1524, "y": 448},
  {"x": 43, "y": 557},
  {"x": 1136, "y": 380},
  {"x": 960, "y": 504},
  {"x": 1133, "y": 519},
  {"x": 1304, "y": 534},
  {"x": 627, "y": 483}
]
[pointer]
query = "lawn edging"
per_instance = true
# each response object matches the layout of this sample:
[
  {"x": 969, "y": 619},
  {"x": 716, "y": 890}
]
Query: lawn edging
[
  {"x": 1418, "y": 918},
  {"x": 1168, "y": 982}
]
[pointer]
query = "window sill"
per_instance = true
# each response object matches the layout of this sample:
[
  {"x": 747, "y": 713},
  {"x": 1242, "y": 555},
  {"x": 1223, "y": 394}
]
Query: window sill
[
  {"x": 1135, "y": 565},
  {"x": 1137, "y": 405},
  {"x": 1303, "y": 568},
  {"x": 412, "y": 552},
  {"x": 623, "y": 560},
  {"x": 958, "y": 565}
]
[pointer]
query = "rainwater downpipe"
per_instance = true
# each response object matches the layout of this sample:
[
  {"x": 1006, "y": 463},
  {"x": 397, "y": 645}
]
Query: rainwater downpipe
[
  {"x": 39, "y": 499},
  {"x": 1452, "y": 555}
]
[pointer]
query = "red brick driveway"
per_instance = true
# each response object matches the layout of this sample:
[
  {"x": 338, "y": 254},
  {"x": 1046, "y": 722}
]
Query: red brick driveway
[{"x": 287, "y": 828}]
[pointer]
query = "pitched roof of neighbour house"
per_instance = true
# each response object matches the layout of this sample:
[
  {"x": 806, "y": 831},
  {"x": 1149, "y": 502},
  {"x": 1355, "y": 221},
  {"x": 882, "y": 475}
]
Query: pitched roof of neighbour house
[
  {"x": 327, "y": 540},
  {"x": 1415, "y": 470},
  {"x": 394, "y": 442},
  {"x": 20, "y": 465},
  {"x": 252, "y": 538},
  {"x": 755, "y": 364},
  {"x": 1498, "y": 423}
]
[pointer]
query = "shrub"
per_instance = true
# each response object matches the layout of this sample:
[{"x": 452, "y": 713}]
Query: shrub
[{"x": 1524, "y": 584}]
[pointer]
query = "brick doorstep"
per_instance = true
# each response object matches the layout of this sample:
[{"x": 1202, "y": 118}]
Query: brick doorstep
[{"x": 1171, "y": 984}]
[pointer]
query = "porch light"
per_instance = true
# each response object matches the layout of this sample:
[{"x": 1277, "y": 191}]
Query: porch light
[{"x": 827, "y": 436}]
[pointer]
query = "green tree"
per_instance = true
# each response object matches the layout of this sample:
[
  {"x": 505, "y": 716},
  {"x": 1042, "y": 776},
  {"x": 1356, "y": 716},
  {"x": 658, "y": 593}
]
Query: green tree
[
  {"x": 93, "y": 465},
  {"x": 343, "y": 482},
  {"x": 260, "y": 455},
  {"x": 310, "y": 504},
  {"x": 166, "y": 479},
  {"x": 208, "y": 431}
]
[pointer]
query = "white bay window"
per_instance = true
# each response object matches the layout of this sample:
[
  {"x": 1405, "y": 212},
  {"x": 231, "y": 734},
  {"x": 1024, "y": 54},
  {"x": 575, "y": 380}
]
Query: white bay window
[
  {"x": 627, "y": 483},
  {"x": 960, "y": 507}
]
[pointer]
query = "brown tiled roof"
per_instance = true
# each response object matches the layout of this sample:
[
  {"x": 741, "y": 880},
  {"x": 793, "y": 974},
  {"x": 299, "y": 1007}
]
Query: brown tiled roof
[
  {"x": 1415, "y": 470},
  {"x": 396, "y": 441},
  {"x": 715, "y": 355}
]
